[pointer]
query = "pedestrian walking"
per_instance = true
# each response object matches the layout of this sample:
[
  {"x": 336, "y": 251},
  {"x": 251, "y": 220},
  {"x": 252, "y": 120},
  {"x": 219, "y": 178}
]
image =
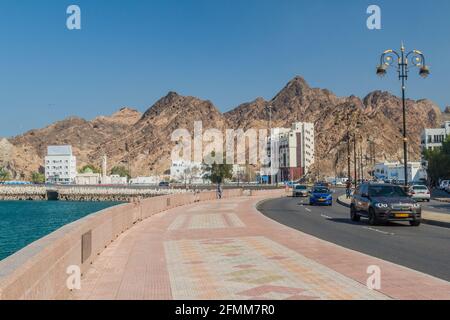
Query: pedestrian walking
[{"x": 348, "y": 189}]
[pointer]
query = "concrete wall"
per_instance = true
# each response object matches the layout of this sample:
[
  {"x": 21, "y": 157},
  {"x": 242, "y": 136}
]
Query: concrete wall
[{"x": 39, "y": 270}]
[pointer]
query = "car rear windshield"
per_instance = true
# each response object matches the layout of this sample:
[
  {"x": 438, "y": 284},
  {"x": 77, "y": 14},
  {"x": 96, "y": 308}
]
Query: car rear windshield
[
  {"x": 420, "y": 188},
  {"x": 300, "y": 187},
  {"x": 386, "y": 191},
  {"x": 321, "y": 190}
]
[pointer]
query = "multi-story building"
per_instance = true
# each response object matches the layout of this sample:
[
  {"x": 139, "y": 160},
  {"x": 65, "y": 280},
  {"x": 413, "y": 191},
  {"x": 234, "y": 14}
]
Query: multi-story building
[
  {"x": 295, "y": 147},
  {"x": 60, "y": 165},
  {"x": 432, "y": 138}
]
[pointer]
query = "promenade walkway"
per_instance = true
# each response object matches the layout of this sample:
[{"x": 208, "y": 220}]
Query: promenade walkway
[{"x": 227, "y": 250}]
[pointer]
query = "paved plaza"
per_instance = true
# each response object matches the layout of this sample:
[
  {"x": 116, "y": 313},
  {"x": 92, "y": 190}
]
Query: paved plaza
[{"x": 228, "y": 250}]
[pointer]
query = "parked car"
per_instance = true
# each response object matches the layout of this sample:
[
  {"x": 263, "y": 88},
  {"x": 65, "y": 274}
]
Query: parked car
[
  {"x": 322, "y": 184},
  {"x": 447, "y": 188},
  {"x": 290, "y": 184},
  {"x": 420, "y": 193},
  {"x": 300, "y": 191},
  {"x": 321, "y": 196},
  {"x": 381, "y": 203},
  {"x": 444, "y": 184},
  {"x": 164, "y": 184}
]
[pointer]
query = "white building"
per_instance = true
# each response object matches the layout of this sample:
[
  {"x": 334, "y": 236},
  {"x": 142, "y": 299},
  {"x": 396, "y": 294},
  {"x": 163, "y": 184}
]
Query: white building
[
  {"x": 88, "y": 178},
  {"x": 60, "y": 165},
  {"x": 433, "y": 138},
  {"x": 114, "y": 179},
  {"x": 295, "y": 147},
  {"x": 152, "y": 180},
  {"x": 396, "y": 171},
  {"x": 186, "y": 172}
]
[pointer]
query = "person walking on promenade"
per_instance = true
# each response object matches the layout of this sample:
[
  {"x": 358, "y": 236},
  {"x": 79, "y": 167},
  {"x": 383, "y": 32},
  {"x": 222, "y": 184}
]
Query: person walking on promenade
[
  {"x": 348, "y": 189},
  {"x": 219, "y": 189}
]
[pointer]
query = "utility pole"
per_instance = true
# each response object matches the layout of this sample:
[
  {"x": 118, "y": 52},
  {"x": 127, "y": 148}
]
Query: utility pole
[
  {"x": 269, "y": 109},
  {"x": 361, "y": 165}
]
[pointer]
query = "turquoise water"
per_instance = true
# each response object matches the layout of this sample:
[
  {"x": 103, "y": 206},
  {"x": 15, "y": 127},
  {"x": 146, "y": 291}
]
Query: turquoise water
[{"x": 23, "y": 222}]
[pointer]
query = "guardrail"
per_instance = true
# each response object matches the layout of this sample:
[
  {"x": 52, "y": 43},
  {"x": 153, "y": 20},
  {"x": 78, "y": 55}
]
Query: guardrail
[{"x": 39, "y": 271}]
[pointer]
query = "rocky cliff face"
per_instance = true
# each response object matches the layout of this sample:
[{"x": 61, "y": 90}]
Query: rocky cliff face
[{"x": 143, "y": 141}]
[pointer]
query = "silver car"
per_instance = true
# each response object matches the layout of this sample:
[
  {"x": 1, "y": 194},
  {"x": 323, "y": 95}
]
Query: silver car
[
  {"x": 420, "y": 193},
  {"x": 300, "y": 191}
]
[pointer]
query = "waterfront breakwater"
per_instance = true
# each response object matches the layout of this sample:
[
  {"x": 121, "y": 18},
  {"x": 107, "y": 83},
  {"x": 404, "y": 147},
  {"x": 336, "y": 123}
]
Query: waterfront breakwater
[
  {"x": 14, "y": 193},
  {"x": 82, "y": 193}
]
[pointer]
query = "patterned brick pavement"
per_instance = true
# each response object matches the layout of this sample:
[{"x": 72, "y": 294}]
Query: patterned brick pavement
[{"x": 227, "y": 250}]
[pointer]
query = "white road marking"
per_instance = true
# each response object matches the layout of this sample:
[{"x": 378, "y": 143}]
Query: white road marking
[
  {"x": 325, "y": 216},
  {"x": 379, "y": 231},
  {"x": 307, "y": 209}
]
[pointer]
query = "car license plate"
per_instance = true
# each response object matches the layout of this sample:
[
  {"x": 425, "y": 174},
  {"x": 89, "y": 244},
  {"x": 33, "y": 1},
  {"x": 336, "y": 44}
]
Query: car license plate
[
  {"x": 402, "y": 215},
  {"x": 322, "y": 200}
]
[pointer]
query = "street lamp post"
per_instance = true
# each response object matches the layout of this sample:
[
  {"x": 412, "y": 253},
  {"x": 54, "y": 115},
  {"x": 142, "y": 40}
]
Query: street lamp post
[
  {"x": 355, "y": 160},
  {"x": 361, "y": 164},
  {"x": 351, "y": 127},
  {"x": 349, "y": 169},
  {"x": 417, "y": 60}
]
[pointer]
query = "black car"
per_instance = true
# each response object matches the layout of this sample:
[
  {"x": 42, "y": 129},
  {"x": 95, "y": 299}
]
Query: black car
[
  {"x": 381, "y": 203},
  {"x": 164, "y": 184}
]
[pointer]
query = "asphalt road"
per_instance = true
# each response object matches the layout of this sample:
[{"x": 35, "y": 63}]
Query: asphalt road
[
  {"x": 438, "y": 206},
  {"x": 425, "y": 248}
]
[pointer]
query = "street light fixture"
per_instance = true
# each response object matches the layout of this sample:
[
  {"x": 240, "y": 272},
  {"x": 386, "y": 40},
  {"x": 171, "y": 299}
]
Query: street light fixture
[{"x": 390, "y": 58}]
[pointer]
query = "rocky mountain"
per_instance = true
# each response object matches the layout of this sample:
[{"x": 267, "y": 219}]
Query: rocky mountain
[
  {"x": 380, "y": 114},
  {"x": 143, "y": 141}
]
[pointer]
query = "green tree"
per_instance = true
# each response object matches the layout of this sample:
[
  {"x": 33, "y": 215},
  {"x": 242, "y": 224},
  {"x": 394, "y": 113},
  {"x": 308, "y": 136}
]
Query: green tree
[
  {"x": 438, "y": 162},
  {"x": 121, "y": 171},
  {"x": 37, "y": 177},
  {"x": 4, "y": 175},
  {"x": 218, "y": 172},
  {"x": 90, "y": 168}
]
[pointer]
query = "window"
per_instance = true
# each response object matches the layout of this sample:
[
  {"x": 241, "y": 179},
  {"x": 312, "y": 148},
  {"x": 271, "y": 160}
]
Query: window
[{"x": 386, "y": 191}]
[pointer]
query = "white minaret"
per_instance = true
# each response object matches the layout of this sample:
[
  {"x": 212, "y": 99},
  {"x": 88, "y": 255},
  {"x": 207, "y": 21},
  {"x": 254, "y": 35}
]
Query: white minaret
[{"x": 104, "y": 165}]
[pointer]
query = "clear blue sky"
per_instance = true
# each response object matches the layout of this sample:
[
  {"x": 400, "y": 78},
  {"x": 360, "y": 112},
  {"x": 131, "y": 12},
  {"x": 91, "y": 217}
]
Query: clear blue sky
[{"x": 130, "y": 53}]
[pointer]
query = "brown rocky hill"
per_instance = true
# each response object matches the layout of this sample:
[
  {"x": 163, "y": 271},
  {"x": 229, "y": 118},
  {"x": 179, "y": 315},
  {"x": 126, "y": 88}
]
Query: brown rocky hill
[
  {"x": 379, "y": 112},
  {"x": 26, "y": 152},
  {"x": 143, "y": 141},
  {"x": 146, "y": 147}
]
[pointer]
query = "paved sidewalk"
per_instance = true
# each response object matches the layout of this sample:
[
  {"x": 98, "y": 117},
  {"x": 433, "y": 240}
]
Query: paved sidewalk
[{"x": 228, "y": 250}]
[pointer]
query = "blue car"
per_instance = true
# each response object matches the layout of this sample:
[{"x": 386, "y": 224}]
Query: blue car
[{"x": 321, "y": 196}]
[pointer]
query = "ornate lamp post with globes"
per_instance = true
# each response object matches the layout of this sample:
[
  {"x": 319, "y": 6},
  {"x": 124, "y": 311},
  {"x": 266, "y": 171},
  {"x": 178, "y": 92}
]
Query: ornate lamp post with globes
[{"x": 402, "y": 61}]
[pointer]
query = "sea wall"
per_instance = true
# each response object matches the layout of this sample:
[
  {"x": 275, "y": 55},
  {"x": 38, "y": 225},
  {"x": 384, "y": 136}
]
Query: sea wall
[
  {"x": 82, "y": 193},
  {"x": 23, "y": 193},
  {"x": 111, "y": 194},
  {"x": 39, "y": 271}
]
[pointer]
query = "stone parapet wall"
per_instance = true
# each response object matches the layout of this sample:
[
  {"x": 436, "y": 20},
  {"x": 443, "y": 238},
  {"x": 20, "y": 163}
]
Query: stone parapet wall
[{"x": 39, "y": 271}]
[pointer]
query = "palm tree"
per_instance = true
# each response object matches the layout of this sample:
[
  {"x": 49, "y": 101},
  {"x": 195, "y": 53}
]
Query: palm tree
[{"x": 4, "y": 175}]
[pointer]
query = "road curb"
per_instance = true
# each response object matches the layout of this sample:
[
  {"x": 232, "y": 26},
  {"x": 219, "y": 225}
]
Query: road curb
[
  {"x": 426, "y": 221},
  {"x": 342, "y": 203},
  {"x": 436, "y": 223}
]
